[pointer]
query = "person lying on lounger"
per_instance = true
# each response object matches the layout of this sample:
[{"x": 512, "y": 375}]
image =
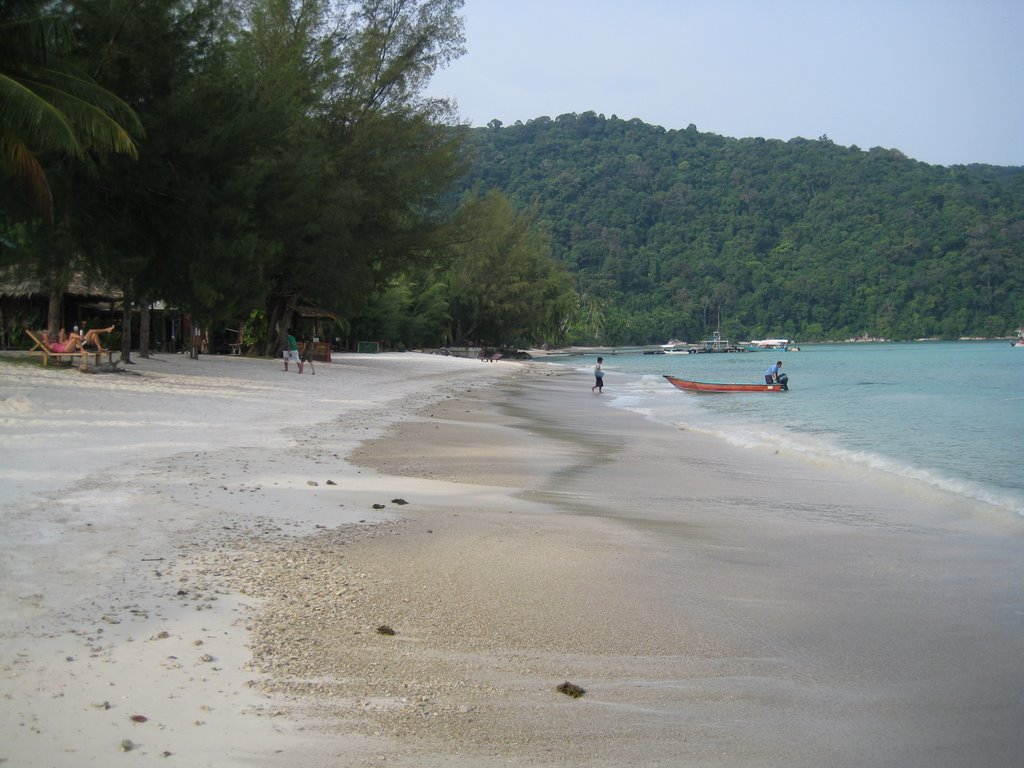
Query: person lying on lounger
[
  {"x": 68, "y": 343},
  {"x": 92, "y": 337}
]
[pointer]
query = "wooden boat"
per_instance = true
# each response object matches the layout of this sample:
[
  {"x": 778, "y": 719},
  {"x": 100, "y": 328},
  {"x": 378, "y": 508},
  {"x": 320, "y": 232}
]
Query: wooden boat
[{"x": 707, "y": 387}]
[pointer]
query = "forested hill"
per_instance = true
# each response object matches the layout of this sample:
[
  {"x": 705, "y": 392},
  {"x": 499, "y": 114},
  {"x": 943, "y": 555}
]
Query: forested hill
[{"x": 803, "y": 238}]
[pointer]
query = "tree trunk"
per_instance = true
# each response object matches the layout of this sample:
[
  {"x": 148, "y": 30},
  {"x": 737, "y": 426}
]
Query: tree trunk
[
  {"x": 126, "y": 330},
  {"x": 278, "y": 325},
  {"x": 53, "y": 323},
  {"x": 144, "y": 329},
  {"x": 273, "y": 321}
]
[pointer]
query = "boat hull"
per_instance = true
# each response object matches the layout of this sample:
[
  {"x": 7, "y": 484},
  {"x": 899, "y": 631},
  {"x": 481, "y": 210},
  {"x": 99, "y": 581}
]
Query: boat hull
[{"x": 713, "y": 388}]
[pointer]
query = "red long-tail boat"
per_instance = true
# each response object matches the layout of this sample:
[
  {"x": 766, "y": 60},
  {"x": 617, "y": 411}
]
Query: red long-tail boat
[{"x": 712, "y": 388}]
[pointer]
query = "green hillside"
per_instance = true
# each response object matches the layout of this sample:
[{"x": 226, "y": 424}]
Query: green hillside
[{"x": 665, "y": 229}]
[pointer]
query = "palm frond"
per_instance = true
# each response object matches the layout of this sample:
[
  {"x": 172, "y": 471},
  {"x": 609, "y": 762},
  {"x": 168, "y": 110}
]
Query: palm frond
[
  {"x": 37, "y": 39},
  {"x": 25, "y": 113},
  {"x": 46, "y": 104}
]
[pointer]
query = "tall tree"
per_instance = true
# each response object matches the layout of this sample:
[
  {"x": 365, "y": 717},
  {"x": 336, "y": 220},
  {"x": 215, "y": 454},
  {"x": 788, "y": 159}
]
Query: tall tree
[
  {"x": 369, "y": 171},
  {"x": 505, "y": 287}
]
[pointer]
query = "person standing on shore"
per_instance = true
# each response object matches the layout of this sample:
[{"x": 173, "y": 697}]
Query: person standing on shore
[
  {"x": 306, "y": 355},
  {"x": 598, "y": 377},
  {"x": 291, "y": 351},
  {"x": 771, "y": 376}
]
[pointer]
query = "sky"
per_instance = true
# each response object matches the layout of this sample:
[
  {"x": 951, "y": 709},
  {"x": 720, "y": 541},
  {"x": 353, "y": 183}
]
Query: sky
[{"x": 941, "y": 81}]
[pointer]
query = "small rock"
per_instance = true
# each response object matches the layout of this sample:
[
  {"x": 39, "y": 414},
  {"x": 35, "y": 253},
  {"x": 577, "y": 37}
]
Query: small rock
[
  {"x": 399, "y": 501},
  {"x": 377, "y": 506},
  {"x": 139, "y": 718},
  {"x": 127, "y": 745},
  {"x": 312, "y": 482},
  {"x": 384, "y": 629},
  {"x": 570, "y": 689}
]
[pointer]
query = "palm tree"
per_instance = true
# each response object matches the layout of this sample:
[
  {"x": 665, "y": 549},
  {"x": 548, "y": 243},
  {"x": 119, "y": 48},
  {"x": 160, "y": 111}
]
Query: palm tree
[{"x": 47, "y": 105}]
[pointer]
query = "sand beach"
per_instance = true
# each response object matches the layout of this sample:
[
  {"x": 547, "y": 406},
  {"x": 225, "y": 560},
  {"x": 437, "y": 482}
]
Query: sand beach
[{"x": 397, "y": 561}]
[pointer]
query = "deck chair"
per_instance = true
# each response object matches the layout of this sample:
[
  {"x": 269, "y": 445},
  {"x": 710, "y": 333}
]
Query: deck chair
[{"x": 40, "y": 347}]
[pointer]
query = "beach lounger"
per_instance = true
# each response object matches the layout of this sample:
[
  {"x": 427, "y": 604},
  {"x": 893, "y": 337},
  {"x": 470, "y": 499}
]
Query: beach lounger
[{"x": 43, "y": 349}]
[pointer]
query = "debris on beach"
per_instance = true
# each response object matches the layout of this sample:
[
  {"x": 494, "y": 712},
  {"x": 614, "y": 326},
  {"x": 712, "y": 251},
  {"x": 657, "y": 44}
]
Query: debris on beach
[
  {"x": 384, "y": 629},
  {"x": 138, "y": 718},
  {"x": 570, "y": 689}
]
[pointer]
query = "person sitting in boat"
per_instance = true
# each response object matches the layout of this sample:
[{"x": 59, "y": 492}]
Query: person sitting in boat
[{"x": 771, "y": 376}]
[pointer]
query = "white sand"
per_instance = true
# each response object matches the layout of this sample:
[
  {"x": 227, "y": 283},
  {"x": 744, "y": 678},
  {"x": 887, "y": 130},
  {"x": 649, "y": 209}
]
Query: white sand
[
  {"x": 720, "y": 607},
  {"x": 115, "y": 485}
]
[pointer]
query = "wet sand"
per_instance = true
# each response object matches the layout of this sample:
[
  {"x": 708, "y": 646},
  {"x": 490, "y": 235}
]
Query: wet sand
[{"x": 718, "y": 606}]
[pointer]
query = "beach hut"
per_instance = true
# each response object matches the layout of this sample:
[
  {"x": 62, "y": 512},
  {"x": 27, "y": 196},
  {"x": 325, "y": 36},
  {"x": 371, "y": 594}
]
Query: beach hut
[{"x": 26, "y": 301}]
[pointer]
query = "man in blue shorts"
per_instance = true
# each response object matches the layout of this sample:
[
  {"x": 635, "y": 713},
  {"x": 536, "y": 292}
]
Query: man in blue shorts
[{"x": 772, "y": 374}]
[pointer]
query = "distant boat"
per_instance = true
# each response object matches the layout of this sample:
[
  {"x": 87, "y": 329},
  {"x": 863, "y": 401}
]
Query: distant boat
[
  {"x": 675, "y": 347},
  {"x": 714, "y": 388},
  {"x": 770, "y": 343},
  {"x": 717, "y": 344},
  {"x": 1019, "y": 344}
]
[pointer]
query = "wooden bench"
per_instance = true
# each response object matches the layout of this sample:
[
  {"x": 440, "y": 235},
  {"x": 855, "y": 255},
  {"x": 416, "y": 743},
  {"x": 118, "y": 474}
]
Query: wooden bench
[{"x": 42, "y": 349}]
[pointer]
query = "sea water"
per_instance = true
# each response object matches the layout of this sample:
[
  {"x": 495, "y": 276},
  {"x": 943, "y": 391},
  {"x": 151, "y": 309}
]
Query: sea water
[{"x": 947, "y": 414}]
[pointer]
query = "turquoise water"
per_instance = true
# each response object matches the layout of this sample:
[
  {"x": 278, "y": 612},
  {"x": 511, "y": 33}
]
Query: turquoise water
[{"x": 948, "y": 414}]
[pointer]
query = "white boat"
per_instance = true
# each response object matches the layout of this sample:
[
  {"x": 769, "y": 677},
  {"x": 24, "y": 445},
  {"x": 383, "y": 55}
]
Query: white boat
[
  {"x": 674, "y": 347},
  {"x": 770, "y": 343}
]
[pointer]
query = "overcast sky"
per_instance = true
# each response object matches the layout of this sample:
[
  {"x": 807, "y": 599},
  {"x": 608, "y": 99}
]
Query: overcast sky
[{"x": 940, "y": 81}]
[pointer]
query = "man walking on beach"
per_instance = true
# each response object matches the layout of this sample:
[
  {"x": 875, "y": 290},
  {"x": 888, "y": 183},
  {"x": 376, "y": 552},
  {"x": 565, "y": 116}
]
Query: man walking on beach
[
  {"x": 598, "y": 377},
  {"x": 291, "y": 352}
]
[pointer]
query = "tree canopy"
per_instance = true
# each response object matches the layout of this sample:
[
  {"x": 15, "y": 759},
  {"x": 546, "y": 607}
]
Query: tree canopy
[{"x": 289, "y": 151}]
